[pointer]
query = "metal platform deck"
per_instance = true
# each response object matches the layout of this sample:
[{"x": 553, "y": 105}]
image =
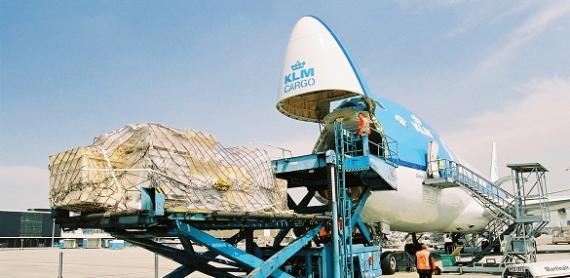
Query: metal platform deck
[{"x": 208, "y": 220}]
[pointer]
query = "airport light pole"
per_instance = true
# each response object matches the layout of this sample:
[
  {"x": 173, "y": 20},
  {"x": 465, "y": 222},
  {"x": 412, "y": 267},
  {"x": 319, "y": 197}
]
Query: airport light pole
[{"x": 53, "y": 232}]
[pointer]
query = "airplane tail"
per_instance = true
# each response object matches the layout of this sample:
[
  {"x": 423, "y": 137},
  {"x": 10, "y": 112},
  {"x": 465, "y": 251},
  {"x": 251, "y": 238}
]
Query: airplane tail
[{"x": 494, "y": 170}]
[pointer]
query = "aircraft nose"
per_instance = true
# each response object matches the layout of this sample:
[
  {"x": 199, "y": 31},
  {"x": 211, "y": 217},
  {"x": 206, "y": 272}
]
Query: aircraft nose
[{"x": 317, "y": 70}]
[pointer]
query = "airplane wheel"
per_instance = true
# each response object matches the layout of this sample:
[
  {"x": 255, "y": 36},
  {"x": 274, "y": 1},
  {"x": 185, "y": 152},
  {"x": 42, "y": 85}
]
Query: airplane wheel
[
  {"x": 449, "y": 246},
  {"x": 497, "y": 249},
  {"x": 411, "y": 248},
  {"x": 388, "y": 264},
  {"x": 437, "y": 271},
  {"x": 484, "y": 245}
]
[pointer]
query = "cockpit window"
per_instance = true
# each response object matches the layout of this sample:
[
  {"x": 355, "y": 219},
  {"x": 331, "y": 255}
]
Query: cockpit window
[{"x": 355, "y": 103}]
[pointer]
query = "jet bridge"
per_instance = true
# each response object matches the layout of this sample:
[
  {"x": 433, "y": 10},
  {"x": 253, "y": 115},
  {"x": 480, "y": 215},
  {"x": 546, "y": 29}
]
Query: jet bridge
[{"x": 512, "y": 224}]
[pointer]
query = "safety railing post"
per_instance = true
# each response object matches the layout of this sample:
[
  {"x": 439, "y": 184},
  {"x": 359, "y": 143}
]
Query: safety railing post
[
  {"x": 155, "y": 265},
  {"x": 60, "y": 268}
]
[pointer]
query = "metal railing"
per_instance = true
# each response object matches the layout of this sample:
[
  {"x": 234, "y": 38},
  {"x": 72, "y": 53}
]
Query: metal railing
[
  {"x": 509, "y": 210},
  {"x": 480, "y": 186},
  {"x": 392, "y": 153},
  {"x": 386, "y": 148}
]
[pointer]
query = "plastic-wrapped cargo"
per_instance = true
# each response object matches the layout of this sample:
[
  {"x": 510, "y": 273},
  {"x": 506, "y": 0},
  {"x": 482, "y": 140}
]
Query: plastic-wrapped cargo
[{"x": 190, "y": 167}]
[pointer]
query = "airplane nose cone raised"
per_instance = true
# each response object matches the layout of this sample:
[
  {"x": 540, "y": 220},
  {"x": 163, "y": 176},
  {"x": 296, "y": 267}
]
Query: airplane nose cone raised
[{"x": 317, "y": 70}]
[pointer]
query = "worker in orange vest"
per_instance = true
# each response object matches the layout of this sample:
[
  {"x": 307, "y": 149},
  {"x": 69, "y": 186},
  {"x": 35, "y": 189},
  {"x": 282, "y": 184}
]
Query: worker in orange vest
[
  {"x": 425, "y": 264},
  {"x": 363, "y": 125},
  {"x": 323, "y": 232}
]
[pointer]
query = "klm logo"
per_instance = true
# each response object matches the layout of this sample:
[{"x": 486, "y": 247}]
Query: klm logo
[{"x": 300, "y": 77}]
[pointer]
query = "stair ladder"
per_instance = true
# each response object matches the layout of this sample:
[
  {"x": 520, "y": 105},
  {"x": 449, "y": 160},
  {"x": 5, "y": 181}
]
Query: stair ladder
[
  {"x": 521, "y": 246},
  {"x": 509, "y": 211},
  {"x": 345, "y": 143}
]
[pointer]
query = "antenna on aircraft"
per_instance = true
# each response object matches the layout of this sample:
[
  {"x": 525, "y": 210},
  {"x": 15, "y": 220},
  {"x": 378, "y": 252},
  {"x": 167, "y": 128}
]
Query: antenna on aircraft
[{"x": 494, "y": 170}]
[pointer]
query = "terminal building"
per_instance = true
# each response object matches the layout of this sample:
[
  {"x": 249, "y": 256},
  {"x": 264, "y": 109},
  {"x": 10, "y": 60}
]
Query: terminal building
[{"x": 24, "y": 229}]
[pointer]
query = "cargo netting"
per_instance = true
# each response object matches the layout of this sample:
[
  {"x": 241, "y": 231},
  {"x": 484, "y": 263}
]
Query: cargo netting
[{"x": 190, "y": 167}]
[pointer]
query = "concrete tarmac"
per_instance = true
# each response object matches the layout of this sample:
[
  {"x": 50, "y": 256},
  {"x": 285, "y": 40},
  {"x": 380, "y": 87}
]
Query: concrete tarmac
[{"x": 129, "y": 262}]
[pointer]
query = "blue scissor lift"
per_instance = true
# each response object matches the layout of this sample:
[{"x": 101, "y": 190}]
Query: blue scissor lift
[{"x": 325, "y": 246}]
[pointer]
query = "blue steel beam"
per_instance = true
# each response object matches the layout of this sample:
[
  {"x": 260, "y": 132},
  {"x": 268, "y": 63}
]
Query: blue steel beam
[
  {"x": 182, "y": 257},
  {"x": 274, "y": 262},
  {"x": 299, "y": 163},
  {"x": 233, "y": 240},
  {"x": 250, "y": 244},
  {"x": 359, "y": 207},
  {"x": 363, "y": 230},
  {"x": 180, "y": 272},
  {"x": 361, "y": 203},
  {"x": 280, "y": 236},
  {"x": 357, "y": 221},
  {"x": 175, "y": 255},
  {"x": 188, "y": 247},
  {"x": 187, "y": 244},
  {"x": 357, "y": 163},
  {"x": 223, "y": 248},
  {"x": 307, "y": 199}
]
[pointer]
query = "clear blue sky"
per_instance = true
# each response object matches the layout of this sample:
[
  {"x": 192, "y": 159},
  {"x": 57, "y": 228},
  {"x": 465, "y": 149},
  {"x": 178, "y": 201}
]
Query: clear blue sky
[{"x": 71, "y": 70}]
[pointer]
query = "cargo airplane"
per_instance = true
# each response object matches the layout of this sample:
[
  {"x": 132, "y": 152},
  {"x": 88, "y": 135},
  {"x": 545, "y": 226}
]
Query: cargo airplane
[{"x": 318, "y": 70}]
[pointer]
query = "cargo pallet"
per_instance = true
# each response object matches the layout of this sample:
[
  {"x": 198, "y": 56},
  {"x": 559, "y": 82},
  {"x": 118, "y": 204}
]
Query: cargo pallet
[{"x": 332, "y": 240}]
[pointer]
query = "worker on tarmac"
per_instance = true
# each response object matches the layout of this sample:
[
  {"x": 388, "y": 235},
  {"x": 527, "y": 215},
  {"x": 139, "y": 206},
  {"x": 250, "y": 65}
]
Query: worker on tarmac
[
  {"x": 363, "y": 125},
  {"x": 425, "y": 265}
]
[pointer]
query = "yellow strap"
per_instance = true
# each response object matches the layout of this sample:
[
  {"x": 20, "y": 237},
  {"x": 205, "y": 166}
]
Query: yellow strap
[{"x": 456, "y": 251}]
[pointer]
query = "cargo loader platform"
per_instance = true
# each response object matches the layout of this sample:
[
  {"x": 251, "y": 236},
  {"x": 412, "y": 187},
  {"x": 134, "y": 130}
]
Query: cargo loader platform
[
  {"x": 323, "y": 245},
  {"x": 141, "y": 228},
  {"x": 209, "y": 220}
]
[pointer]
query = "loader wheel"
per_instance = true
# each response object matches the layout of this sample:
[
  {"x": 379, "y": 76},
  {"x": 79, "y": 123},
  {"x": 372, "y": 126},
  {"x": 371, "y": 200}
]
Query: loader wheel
[{"x": 388, "y": 264}]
